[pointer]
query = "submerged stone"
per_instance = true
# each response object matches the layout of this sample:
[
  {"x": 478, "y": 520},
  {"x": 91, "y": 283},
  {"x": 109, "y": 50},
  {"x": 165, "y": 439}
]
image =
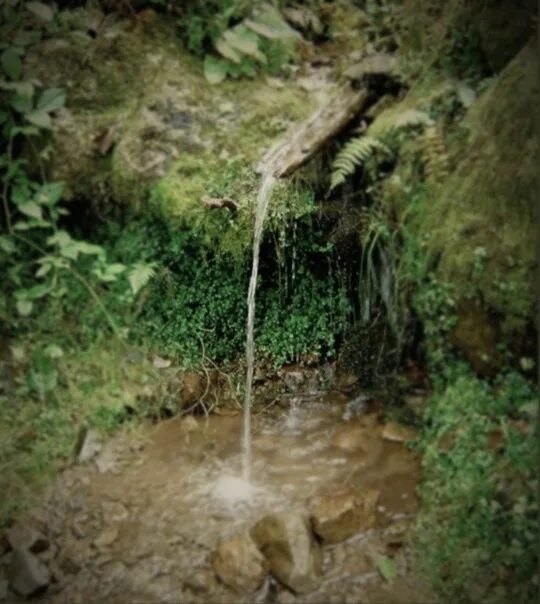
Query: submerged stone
[
  {"x": 239, "y": 564},
  {"x": 338, "y": 513}
]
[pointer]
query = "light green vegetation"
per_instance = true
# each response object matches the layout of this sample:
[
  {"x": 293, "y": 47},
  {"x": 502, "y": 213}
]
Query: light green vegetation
[{"x": 478, "y": 529}]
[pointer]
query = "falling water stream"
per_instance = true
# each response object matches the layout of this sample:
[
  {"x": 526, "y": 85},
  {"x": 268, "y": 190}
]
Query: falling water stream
[{"x": 263, "y": 198}]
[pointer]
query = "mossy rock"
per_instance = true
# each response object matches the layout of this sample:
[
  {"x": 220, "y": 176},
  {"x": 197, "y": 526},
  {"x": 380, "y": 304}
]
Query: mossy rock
[
  {"x": 481, "y": 223},
  {"x": 144, "y": 128}
]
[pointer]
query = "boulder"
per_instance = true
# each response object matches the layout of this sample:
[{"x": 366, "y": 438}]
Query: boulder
[
  {"x": 293, "y": 555},
  {"x": 28, "y": 575},
  {"x": 239, "y": 564},
  {"x": 338, "y": 513}
]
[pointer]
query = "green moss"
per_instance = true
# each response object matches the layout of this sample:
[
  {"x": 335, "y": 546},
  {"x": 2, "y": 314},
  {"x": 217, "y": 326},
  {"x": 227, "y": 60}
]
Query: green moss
[{"x": 481, "y": 222}]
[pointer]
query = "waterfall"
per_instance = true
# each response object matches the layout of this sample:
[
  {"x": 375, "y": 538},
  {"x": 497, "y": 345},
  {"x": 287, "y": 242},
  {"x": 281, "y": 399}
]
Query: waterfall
[{"x": 263, "y": 198}]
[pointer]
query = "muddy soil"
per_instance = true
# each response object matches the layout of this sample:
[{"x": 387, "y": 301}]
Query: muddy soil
[{"x": 139, "y": 522}]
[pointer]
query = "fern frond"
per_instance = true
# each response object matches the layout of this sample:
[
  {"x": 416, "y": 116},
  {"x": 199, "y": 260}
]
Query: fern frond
[
  {"x": 396, "y": 118},
  {"x": 355, "y": 153},
  {"x": 435, "y": 154},
  {"x": 140, "y": 275}
]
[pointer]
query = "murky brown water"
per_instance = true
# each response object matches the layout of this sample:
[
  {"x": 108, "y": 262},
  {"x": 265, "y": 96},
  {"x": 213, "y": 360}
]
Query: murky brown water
[{"x": 140, "y": 527}]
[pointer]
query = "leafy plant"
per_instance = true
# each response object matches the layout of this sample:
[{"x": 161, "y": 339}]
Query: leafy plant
[
  {"x": 478, "y": 526},
  {"x": 355, "y": 153},
  {"x": 38, "y": 256},
  {"x": 263, "y": 40}
]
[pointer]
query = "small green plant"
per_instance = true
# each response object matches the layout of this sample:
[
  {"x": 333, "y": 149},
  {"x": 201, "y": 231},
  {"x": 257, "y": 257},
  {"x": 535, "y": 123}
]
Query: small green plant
[
  {"x": 477, "y": 533},
  {"x": 38, "y": 256},
  {"x": 261, "y": 41}
]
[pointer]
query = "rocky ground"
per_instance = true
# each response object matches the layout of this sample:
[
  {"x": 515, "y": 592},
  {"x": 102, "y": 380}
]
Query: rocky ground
[{"x": 161, "y": 516}]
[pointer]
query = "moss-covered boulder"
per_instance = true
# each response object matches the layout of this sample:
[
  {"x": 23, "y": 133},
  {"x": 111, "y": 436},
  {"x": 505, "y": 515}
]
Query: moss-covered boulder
[
  {"x": 482, "y": 221},
  {"x": 143, "y": 125},
  {"x": 477, "y": 223}
]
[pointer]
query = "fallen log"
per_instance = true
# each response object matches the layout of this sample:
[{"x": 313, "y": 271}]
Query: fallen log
[{"x": 310, "y": 136}]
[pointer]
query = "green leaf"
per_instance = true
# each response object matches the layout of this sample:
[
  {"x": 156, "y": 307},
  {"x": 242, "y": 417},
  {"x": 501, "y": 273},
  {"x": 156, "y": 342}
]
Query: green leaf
[
  {"x": 140, "y": 275},
  {"x": 11, "y": 63},
  {"x": 52, "y": 99},
  {"x": 6, "y": 244},
  {"x": 225, "y": 49},
  {"x": 3, "y": 117},
  {"x": 50, "y": 194},
  {"x": 36, "y": 292},
  {"x": 21, "y": 103},
  {"x": 24, "y": 307},
  {"x": 387, "y": 567},
  {"x": 60, "y": 238},
  {"x": 32, "y": 209},
  {"x": 244, "y": 40},
  {"x": 44, "y": 269},
  {"x": 41, "y": 10},
  {"x": 39, "y": 118},
  {"x": 215, "y": 70}
]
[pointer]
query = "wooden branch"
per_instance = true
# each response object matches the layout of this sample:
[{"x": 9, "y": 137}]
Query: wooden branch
[{"x": 310, "y": 136}]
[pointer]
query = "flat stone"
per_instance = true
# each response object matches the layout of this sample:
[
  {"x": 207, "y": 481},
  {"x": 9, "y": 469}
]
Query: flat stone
[
  {"x": 395, "y": 432},
  {"x": 239, "y": 564},
  {"x": 28, "y": 575},
  {"x": 293, "y": 555},
  {"x": 338, "y": 513}
]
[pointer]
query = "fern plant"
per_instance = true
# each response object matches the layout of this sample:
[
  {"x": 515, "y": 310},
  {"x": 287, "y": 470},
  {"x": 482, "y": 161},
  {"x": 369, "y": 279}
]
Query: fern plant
[{"x": 355, "y": 153}]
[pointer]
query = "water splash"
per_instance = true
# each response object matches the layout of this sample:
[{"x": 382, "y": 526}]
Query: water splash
[{"x": 263, "y": 198}]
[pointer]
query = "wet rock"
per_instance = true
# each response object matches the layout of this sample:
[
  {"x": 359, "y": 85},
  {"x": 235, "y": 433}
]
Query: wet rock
[
  {"x": 201, "y": 582},
  {"x": 396, "y": 533},
  {"x": 114, "y": 511},
  {"x": 293, "y": 555},
  {"x": 193, "y": 387},
  {"x": 28, "y": 576},
  {"x": 88, "y": 446},
  {"x": 294, "y": 378},
  {"x": 338, "y": 513},
  {"x": 399, "y": 433},
  {"x": 26, "y": 538},
  {"x": 239, "y": 564}
]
